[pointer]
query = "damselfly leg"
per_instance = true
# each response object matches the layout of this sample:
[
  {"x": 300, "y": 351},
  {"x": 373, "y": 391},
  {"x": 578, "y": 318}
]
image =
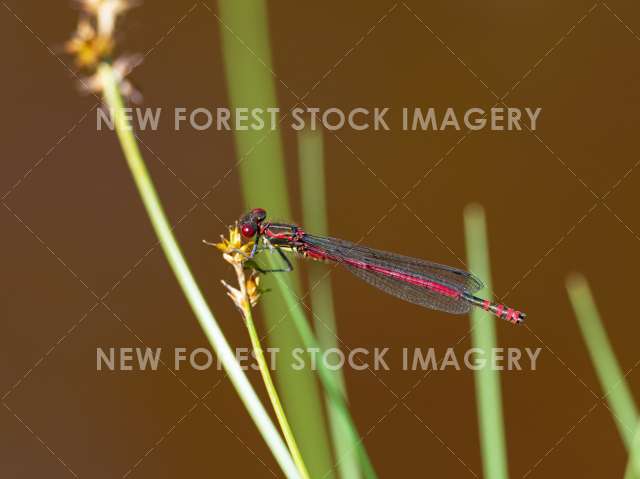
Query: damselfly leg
[{"x": 268, "y": 246}]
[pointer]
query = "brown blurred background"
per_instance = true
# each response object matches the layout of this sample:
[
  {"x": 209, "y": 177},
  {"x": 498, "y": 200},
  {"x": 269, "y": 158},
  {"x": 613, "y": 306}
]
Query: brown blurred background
[{"x": 73, "y": 230}]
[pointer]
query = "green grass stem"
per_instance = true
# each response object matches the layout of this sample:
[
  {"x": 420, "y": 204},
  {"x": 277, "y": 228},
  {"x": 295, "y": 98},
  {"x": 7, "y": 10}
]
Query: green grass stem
[
  {"x": 250, "y": 80},
  {"x": 612, "y": 380},
  {"x": 483, "y": 336},
  {"x": 185, "y": 278},
  {"x": 273, "y": 394},
  {"x": 314, "y": 212},
  {"x": 332, "y": 387}
]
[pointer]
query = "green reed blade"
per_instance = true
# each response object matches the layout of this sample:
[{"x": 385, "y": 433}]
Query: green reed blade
[{"x": 483, "y": 336}]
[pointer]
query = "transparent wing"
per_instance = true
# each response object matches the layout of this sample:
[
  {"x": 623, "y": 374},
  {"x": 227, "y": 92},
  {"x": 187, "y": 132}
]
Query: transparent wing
[
  {"x": 410, "y": 292},
  {"x": 454, "y": 278}
]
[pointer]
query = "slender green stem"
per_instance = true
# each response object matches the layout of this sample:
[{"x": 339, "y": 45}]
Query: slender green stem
[
  {"x": 273, "y": 394},
  {"x": 483, "y": 336},
  {"x": 186, "y": 280},
  {"x": 633, "y": 464},
  {"x": 612, "y": 380},
  {"x": 247, "y": 55},
  {"x": 332, "y": 387},
  {"x": 314, "y": 211},
  {"x": 244, "y": 303}
]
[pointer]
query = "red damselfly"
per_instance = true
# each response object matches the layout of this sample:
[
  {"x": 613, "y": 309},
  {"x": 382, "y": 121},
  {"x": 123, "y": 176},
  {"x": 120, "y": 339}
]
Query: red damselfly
[{"x": 421, "y": 282}]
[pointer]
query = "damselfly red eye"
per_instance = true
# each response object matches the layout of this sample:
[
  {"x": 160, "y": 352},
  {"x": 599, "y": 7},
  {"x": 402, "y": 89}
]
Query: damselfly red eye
[{"x": 248, "y": 231}]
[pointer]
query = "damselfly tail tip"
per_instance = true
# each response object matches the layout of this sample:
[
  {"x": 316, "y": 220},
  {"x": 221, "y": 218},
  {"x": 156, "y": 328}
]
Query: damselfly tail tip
[
  {"x": 498, "y": 309},
  {"x": 508, "y": 314}
]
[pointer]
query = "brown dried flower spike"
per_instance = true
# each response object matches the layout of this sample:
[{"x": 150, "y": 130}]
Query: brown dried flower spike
[
  {"x": 236, "y": 253},
  {"x": 233, "y": 249},
  {"x": 93, "y": 43},
  {"x": 89, "y": 47}
]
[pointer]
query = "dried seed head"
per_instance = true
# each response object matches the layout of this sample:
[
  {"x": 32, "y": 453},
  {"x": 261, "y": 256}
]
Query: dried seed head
[
  {"x": 88, "y": 47},
  {"x": 253, "y": 288},
  {"x": 233, "y": 250},
  {"x": 93, "y": 43},
  {"x": 106, "y": 12}
]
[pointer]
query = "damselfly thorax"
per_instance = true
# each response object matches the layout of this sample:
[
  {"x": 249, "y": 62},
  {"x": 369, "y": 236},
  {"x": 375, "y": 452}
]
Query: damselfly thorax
[{"x": 290, "y": 238}]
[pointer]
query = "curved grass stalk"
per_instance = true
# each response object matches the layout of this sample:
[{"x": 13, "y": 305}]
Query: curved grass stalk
[
  {"x": 329, "y": 381},
  {"x": 247, "y": 55},
  {"x": 612, "y": 380},
  {"x": 186, "y": 280},
  {"x": 314, "y": 212},
  {"x": 243, "y": 302},
  {"x": 273, "y": 396},
  {"x": 483, "y": 336}
]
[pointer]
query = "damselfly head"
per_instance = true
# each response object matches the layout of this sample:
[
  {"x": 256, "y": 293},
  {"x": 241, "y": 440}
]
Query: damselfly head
[{"x": 250, "y": 222}]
